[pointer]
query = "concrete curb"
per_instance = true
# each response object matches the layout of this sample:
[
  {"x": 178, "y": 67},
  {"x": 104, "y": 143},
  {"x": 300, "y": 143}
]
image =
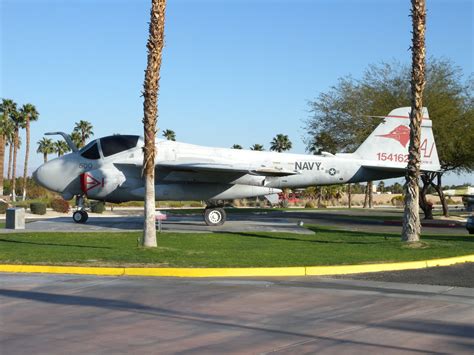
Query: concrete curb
[{"x": 236, "y": 272}]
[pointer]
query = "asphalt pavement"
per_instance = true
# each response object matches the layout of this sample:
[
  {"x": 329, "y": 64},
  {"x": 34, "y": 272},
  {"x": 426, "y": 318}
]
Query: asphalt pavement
[
  {"x": 64, "y": 314},
  {"x": 459, "y": 275}
]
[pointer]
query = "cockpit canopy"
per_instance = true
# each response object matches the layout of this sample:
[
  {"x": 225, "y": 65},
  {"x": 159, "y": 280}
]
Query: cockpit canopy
[{"x": 109, "y": 146}]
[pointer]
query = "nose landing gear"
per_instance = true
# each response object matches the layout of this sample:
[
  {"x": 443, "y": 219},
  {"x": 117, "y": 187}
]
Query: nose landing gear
[{"x": 80, "y": 215}]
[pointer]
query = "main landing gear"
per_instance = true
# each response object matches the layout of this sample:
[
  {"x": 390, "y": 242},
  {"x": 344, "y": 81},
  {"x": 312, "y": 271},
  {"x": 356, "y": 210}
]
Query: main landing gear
[
  {"x": 214, "y": 216},
  {"x": 80, "y": 215}
]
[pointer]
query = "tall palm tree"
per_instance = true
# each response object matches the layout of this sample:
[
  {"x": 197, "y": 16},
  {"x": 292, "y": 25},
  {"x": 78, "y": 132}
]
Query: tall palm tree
[
  {"x": 61, "y": 147},
  {"x": 30, "y": 114},
  {"x": 76, "y": 139},
  {"x": 236, "y": 146},
  {"x": 257, "y": 147},
  {"x": 45, "y": 147},
  {"x": 151, "y": 87},
  {"x": 7, "y": 106},
  {"x": 85, "y": 129},
  {"x": 18, "y": 119},
  {"x": 411, "y": 218},
  {"x": 9, "y": 141},
  {"x": 169, "y": 134},
  {"x": 280, "y": 143}
]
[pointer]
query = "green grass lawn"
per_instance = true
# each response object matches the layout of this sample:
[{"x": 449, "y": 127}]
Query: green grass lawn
[{"x": 326, "y": 247}]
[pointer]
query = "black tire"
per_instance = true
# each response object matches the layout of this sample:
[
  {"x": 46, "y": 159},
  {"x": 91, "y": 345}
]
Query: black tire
[
  {"x": 214, "y": 216},
  {"x": 80, "y": 216},
  {"x": 471, "y": 231}
]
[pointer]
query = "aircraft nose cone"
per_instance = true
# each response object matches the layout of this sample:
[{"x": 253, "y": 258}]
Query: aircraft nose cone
[
  {"x": 43, "y": 178},
  {"x": 52, "y": 175}
]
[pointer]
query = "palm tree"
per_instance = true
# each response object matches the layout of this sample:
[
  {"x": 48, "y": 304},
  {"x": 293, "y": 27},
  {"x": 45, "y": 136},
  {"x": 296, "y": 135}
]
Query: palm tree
[
  {"x": 9, "y": 136},
  {"x": 151, "y": 87},
  {"x": 45, "y": 147},
  {"x": 61, "y": 147},
  {"x": 7, "y": 106},
  {"x": 18, "y": 119},
  {"x": 169, "y": 134},
  {"x": 257, "y": 147},
  {"x": 236, "y": 146},
  {"x": 280, "y": 143},
  {"x": 85, "y": 129},
  {"x": 76, "y": 139},
  {"x": 31, "y": 114},
  {"x": 411, "y": 218}
]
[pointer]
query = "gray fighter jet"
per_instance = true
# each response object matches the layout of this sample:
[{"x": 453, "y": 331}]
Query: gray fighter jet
[{"x": 110, "y": 168}]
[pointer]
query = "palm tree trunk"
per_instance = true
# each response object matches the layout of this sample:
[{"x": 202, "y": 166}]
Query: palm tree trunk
[
  {"x": 442, "y": 198},
  {"x": 150, "y": 108},
  {"x": 27, "y": 153},
  {"x": 15, "y": 153},
  {"x": 45, "y": 157},
  {"x": 371, "y": 194},
  {"x": 425, "y": 205},
  {"x": 349, "y": 195},
  {"x": 411, "y": 218},
  {"x": 2, "y": 161},
  {"x": 10, "y": 158}
]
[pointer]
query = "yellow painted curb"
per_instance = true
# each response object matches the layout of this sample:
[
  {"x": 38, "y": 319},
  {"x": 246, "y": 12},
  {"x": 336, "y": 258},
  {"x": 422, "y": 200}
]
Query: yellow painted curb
[
  {"x": 237, "y": 272},
  {"x": 357, "y": 269},
  {"x": 217, "y": 272}
]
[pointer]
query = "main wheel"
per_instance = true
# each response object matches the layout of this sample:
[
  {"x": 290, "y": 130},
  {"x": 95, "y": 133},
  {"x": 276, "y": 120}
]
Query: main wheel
[
  {"x": 80, "y": 216},
  {"x": 214, "y": 216}
]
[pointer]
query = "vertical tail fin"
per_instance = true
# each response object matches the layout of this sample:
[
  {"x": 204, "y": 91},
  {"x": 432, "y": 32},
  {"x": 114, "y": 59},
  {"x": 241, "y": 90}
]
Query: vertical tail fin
[{"x": 388, "y": 143}]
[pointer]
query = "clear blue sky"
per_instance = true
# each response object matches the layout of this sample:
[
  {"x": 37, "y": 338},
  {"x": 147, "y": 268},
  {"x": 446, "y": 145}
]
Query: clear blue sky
[{"x": 233, "y": 71}]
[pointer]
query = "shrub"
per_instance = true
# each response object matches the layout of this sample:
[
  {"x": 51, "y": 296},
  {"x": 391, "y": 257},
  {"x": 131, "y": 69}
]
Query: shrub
[
  {"x": 309, "y": 204},
  {"x": 60, "y": 205},
  {"x": 175, "y": 204},
  {"x": 397, "y": 200},
  {"x": 97, "y": 207},
  {"x": 195, "y": 204},
  {"x": 450, "y": 201},
  {"x": 38, "y": 208},
  {"x": 284, "y": 203},
  {"x": 21, "y": 205},
  {"x": 3, "y": 207}
]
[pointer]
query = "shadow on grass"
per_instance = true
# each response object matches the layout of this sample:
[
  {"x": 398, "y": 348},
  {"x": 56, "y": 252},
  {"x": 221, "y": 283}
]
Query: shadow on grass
[
  {"x": 288, "y": 238},
  {"x": 52, "y": 244},
  {"x": 338, "y": 232}
]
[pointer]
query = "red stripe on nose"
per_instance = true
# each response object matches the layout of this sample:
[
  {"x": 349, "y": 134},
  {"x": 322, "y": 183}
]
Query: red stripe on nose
[{"x": 83, "y": 178}]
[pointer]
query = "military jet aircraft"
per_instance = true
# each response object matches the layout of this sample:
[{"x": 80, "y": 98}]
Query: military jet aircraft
[{"x": 110, "y": 168}]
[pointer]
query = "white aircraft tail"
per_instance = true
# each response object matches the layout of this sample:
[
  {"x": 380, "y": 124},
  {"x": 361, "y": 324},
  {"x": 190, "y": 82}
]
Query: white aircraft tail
[{"x": 387, "y": 145}]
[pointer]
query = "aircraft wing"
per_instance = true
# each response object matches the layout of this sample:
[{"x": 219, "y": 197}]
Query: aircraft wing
[
  {"x": 212, "y": 167},
  {"x": 225, "y": 168}
]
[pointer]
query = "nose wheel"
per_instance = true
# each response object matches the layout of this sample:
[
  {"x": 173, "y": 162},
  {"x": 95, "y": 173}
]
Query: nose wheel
[
  {"x": 80, "y": 216},
  {"x": 214, "y": 216}
]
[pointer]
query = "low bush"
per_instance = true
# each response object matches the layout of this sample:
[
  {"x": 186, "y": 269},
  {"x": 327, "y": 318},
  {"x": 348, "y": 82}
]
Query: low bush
[
  {"x": 38, "y": 208},
  {"x": 309, "y": 204},
  {"x": 97, "y": 207},
  {"x": 397, "y": 200},
  {"x": 60, "y": 205},
  {"x": 450, "y": 201},
  {"x": 284, "y": 203},
  {"x": 195, "y": 204},
  {"x": 3, "y": 207}
]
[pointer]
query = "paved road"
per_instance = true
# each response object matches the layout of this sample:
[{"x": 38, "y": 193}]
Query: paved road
[
  {"x": 186, "y": 223},
  {"x": 460, "y": 275},
  {"x": 55, "y": 314},
  {"x": 274, "y": 221}
]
